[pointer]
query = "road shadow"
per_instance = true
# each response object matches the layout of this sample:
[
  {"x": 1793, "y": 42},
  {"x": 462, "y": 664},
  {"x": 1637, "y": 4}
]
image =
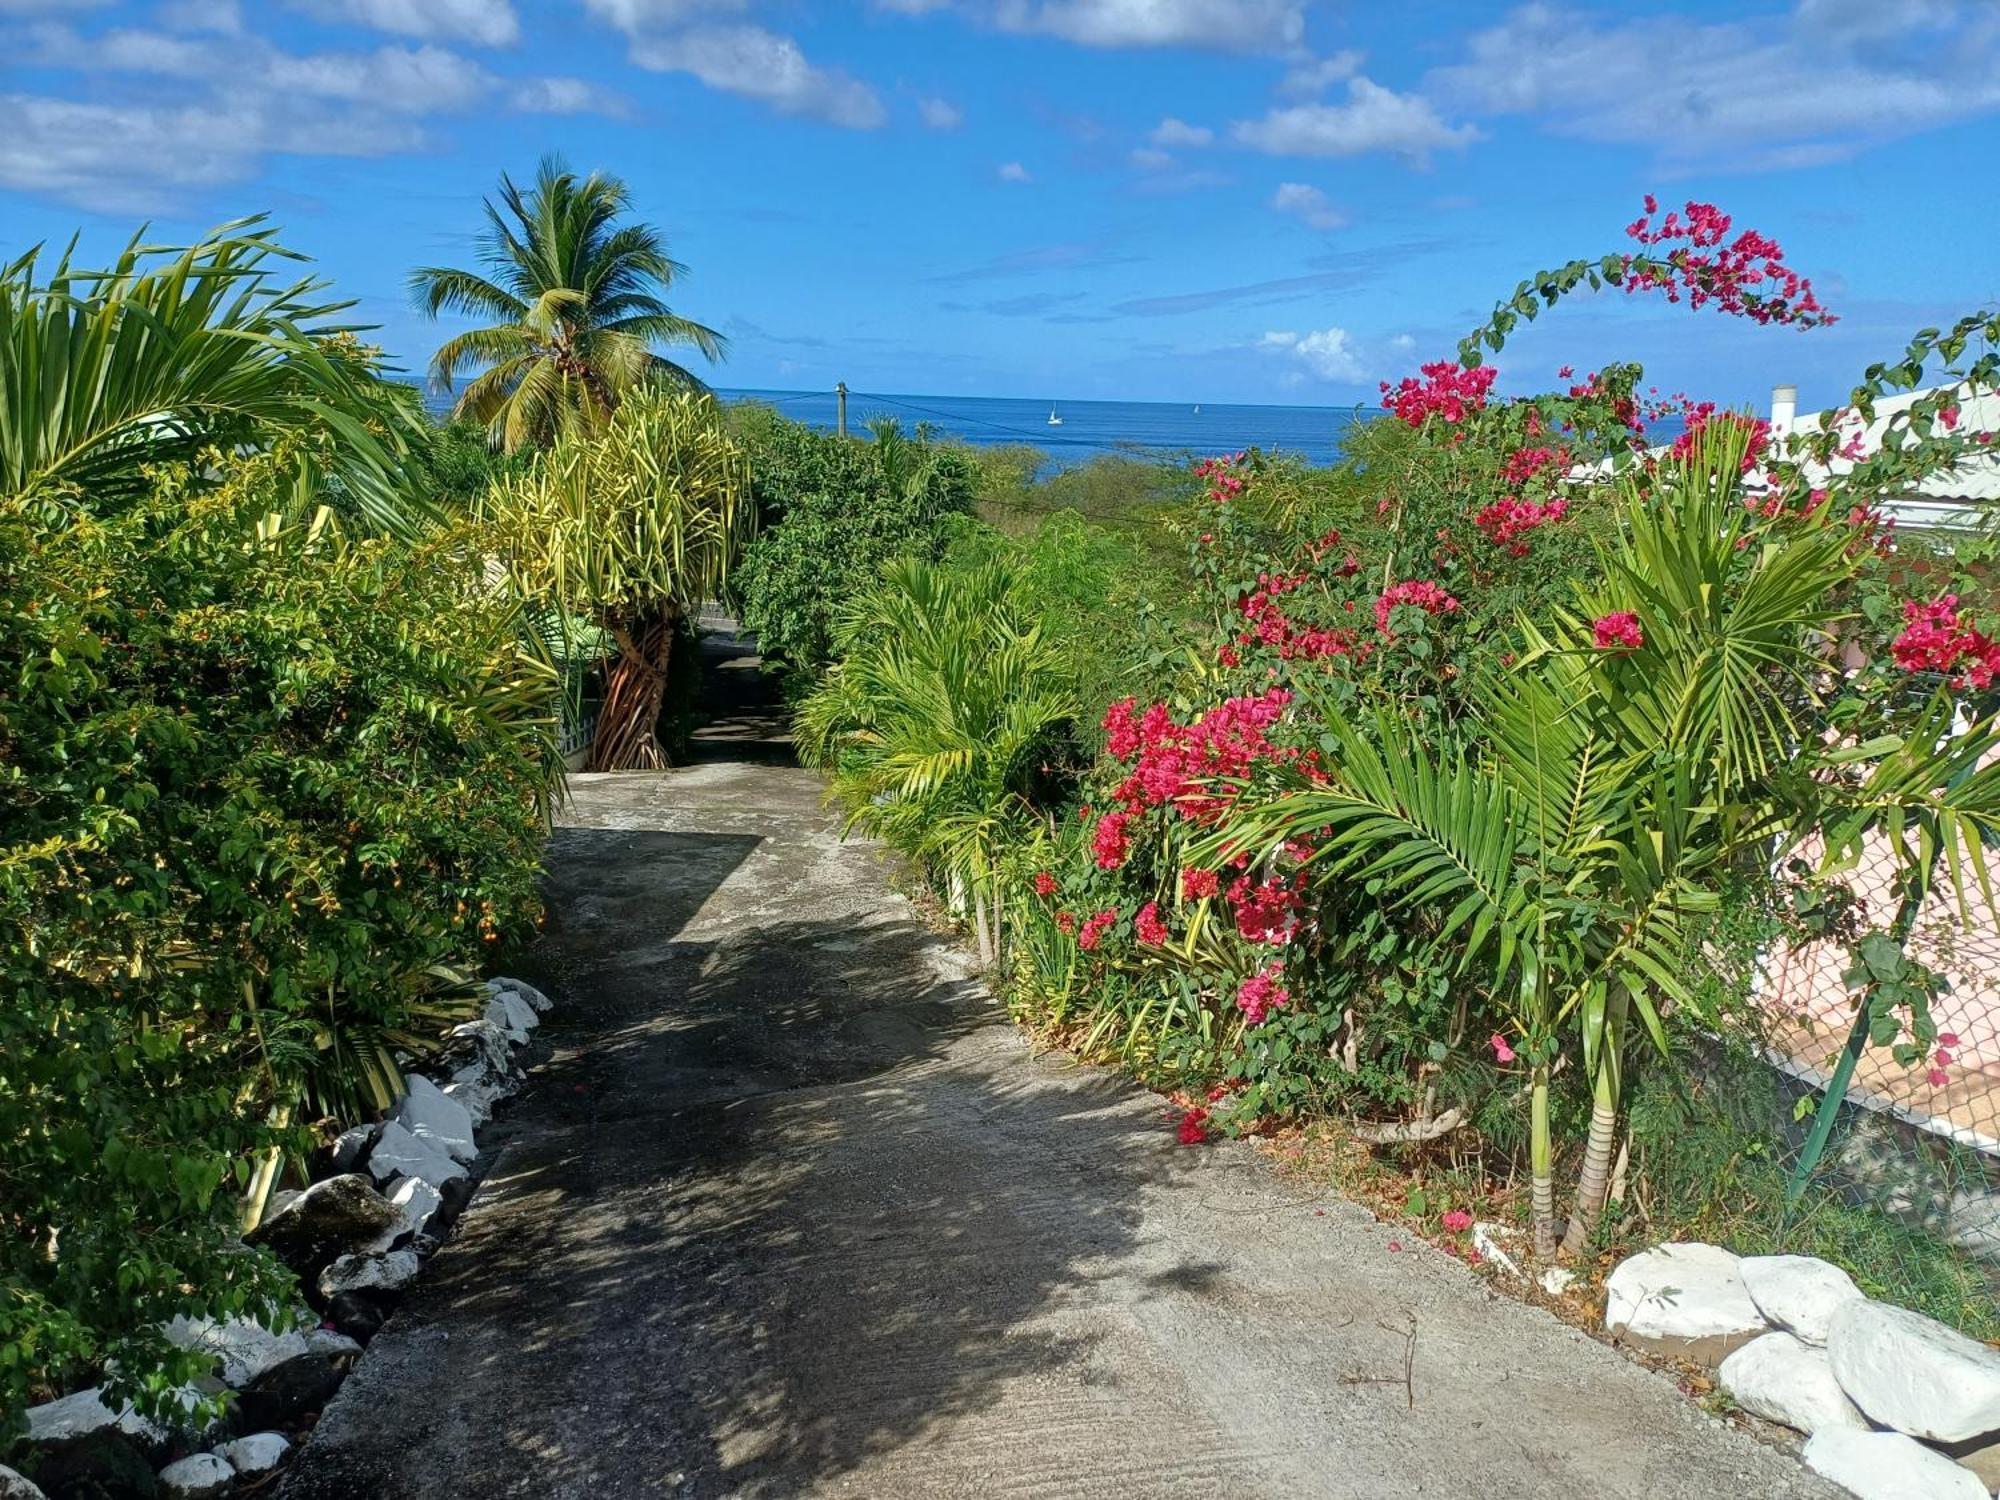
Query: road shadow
[{"x": 772, "y": 1209}]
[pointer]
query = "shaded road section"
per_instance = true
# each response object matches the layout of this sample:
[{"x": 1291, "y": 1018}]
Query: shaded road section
[{"x": 790, "y": 1210}]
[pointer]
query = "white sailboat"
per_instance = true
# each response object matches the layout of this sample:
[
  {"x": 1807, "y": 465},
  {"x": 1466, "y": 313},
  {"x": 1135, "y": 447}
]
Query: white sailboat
[{"x": 1054, "y": 420}]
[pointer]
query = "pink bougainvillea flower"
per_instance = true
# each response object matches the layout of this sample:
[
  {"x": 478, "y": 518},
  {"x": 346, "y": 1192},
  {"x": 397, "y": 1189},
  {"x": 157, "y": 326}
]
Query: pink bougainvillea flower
[
  {"x": 1943, "y": 1058},
  {"x": 1152, "y": 931},
  {"x": 1617, "y": 632},
  {"x": 1947, "y": 1038},
  {"x": 1193, "y": 1127},
  {"x": 1197, "y": 884},
  {"x": 1261, "y": 994},
  {"x": 1457, "y": 1221},
  {"x": 1501, "y": 1051},
  {"x": 1094, "y": 929},
  {"x": 1045, "y": 883},
  {"x": 1939, "y": 1078},
  {"x": 1395, "y": 1245}
]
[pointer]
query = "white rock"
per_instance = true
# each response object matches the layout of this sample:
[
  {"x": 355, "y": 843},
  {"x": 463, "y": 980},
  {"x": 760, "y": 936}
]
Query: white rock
[
  {"x": 1912, "y": 1373},
  {"x": 1781, "y": 1378},
  {"x": 491, "y": 1039},
  {"x": 1685, "y": 1293},
  {"x": 246, "y": 1349},
  {"x": 512, "y": 1015},
  {"x": 1489, "y": 1240},
  {"x": 259, "y": 1453},
  {"x": 1798, "y": 1292},
  {"x": 15, "y": 1486},
  {"x": 83, "y": 1412},
  {"x": 398, "y": 1153},
  {"x": 369, "y": 1273},
  {"x": 418, "y": 1200},
  {"x": 429, "y": 1115},
  {"x": 528, "y": 993},
  {"x": 1888, "y": 1466},
  {"x": 200, "y": 1476},
  {"x": 1558, "y": 1279}
]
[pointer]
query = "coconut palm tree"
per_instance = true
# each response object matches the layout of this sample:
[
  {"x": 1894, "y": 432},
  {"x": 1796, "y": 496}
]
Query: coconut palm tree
[{"x": 576, "y": 303}]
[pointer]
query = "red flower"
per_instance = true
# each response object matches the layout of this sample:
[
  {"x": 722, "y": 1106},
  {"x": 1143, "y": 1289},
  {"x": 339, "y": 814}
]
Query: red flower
[
  {"x": 1447, "y": 391},
  {"x": 1094, "y": 929},
  {"x": 1066, "y": 922},
  {"x": 1193, "y": 1127},
  {"x": 1421, "y": 593},
  {"x": 1502, "y": 1053},
  {"x": 1110, "y": 843},
  {"x": 1939, "y": 637},
  {"x": 1152, "y": 931},
  {"x": 1196, "y": 884},
  {"x": 1457, "y": 1221},
  {"x": 1045, "y": 883},
  {"x": 1617, "y": 632},
  {"x": 1261, "y": 994}
]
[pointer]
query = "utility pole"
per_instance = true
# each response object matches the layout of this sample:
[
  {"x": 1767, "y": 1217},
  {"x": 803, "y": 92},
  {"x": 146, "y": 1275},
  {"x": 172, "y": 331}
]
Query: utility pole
[{"x": 840, "y": 390}]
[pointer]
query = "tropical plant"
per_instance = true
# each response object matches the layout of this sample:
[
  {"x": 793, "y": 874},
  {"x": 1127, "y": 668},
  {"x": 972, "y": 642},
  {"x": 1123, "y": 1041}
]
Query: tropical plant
[
  {"x": 629, "y": 529},
  {"x": 1644, "y": 745},
  {"x": 269, "y": 793},
  {"x": 577, "y": 309},
  {"x": 833, "y": 511},
  {"x": 167, "y": 353},
  {"x": 940, "y": 719}
]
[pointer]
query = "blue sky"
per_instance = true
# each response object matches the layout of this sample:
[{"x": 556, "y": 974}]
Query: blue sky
[{"x": 1251, "y": 200}]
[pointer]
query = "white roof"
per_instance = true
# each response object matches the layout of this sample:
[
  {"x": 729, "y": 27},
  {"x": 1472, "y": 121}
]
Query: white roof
[{"x": 1953, "y": 497}]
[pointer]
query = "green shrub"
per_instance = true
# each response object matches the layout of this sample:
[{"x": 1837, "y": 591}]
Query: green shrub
[
  {"x": 268, "y": 793},
  {"x": 833, "y": 511}
]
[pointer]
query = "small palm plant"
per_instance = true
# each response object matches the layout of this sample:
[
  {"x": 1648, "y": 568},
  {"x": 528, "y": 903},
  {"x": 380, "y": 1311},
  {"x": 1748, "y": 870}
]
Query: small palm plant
[
  {"x": 947, "y": 701},
  {"x": 577, "y": 306}
]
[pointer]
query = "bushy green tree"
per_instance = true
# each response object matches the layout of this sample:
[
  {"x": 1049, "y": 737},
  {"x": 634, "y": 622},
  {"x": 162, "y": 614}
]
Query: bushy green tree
[
  {"x": 267, "y": 793},
  {"x": 832, "y": 511}
]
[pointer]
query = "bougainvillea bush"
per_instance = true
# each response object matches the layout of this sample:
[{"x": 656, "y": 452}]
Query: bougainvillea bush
[{"x": 1431, "y": 825}]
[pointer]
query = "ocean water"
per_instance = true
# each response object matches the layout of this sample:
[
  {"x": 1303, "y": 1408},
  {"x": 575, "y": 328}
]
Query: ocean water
[{"x": 1144, "y": 429}]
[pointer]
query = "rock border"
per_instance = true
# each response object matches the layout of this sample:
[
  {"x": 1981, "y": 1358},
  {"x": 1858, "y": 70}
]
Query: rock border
[{"x": 357, "y": 1237}]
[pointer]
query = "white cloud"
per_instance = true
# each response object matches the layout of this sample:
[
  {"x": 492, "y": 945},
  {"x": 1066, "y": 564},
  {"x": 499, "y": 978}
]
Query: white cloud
[
  {"x": 1230, "y": 25},
  {"x": 48, "y": 7},
  {"x": 764, "y": 66},
  {"x": 1172, "y": 132},
  {"x": 636, "y": 16},
  {"x": 1152, "y": 159},
  {"x": 125, "y": 159},
  {"x": 1748, "y": 95},
  {"x": 1013, "y": 171},
  {"x": 565, "y": 96},
  {"x": 1372, "y": 119},
  {"x": 415, "y": 80},
  {"x": 1328, "y": 354},
  {"x": 490, "y": 23},
  {"x": 1308, "y": 204},
  {"x": 1310, "y": 79},
  {"x": 940, "y": 114}
]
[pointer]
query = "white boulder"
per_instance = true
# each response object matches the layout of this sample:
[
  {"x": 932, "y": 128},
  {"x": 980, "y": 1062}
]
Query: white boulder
[
  {"x": 259, "y": 1453},
  {"x": 369, "y": 1273},
  {"x": 331, "y": 1342},
  {"x": 1490, "y": 1240},
  {"x": 1800, "y": 1293},
  {"x": 435, "y": 1118},
  {"x": 527, "y": 992},
  {"x": 1781, "y": 1378},
  {"x": 418, "y": 1200},
  {"x": 199, "y": 1476},
  {"x": 488, "y": 1041},
  {"x": 246, "y": 1349},
  {"x": 81, "y": 1413},
  {"x": 15, "y": 1486},
  {"x": 1888, "y": 1466},
  {"x": 1682, "y": 1298},
  {"x": 1912, "y": 1373},
  {"x": 398, "y": 1153},
  {"x": 512, "y": 1015}
]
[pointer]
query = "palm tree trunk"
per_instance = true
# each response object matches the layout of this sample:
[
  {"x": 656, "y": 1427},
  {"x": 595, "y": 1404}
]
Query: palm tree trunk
[
  {"x": 1542, "y": 1189},
  {"x": 635, "y": 688},
  {"x": 1594, "y": 1179}
]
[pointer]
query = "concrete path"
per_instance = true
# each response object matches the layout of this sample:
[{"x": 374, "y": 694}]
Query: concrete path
[{"x": 790, "y": 1210}]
